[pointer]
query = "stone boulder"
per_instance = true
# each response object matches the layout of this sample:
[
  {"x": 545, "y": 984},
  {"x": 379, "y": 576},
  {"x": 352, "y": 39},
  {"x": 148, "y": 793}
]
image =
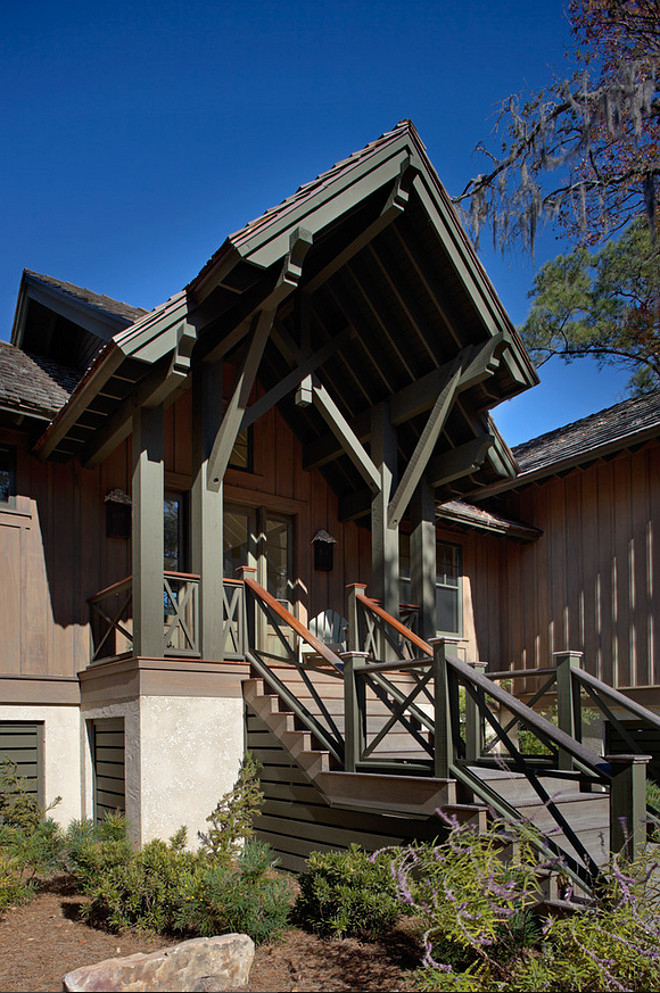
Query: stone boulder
[{"x": 200, "y": 964}]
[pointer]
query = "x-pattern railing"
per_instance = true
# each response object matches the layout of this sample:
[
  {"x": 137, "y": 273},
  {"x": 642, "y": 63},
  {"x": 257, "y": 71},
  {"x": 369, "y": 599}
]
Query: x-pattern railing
[
  {"x": 378, "y": 629},
  {"x": 110, "y": 625},
  {"x": 181, "y": 606},
  {"x": 233, "y": 619}
]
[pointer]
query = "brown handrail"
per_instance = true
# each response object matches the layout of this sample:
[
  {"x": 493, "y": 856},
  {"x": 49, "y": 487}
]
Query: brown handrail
[
  {"x": 394, "y": 623},
  {"x": 295, "y": 624},
  {"x": 117, "y": 587},
  {"x": 181, "y": 575}
]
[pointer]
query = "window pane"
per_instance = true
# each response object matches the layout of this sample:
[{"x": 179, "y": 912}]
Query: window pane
[
  {"x": 277, "y": 558},
  {"x": 448, "y": 588},
  {"x": 7, "y": 475},
  {"x": 404, "y": 568},
  {"x": 173, "y": 533},
  {"x": 241, "y": 455},
  {"x": 236, "y": 538}
]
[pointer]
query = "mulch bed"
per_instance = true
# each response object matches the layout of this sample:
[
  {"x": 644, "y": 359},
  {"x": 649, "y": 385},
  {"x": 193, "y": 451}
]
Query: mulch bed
[{"x": 42, "y": 941}]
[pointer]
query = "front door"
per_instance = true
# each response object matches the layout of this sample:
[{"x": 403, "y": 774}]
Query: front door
[{"x": 262, "y": 539}]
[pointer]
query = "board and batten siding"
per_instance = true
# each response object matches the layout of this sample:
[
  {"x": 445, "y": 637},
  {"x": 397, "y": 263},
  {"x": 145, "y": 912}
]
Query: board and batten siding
[
  {"x": 55, "y": 553},
  {"x": 589, "y": 583}
]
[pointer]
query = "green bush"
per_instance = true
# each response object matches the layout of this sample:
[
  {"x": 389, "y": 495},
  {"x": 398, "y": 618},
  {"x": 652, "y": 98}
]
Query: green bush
[
  {"x": 348, "y": 893},
  {"x": 247, "y": 897},
  {"x": 231, "y": 821},
  {"x": 13, "y": 889},
  {"x": 141, "y": 889},
  {"x": 18, "y": 808},
  {"x": 85, "y": 832}
]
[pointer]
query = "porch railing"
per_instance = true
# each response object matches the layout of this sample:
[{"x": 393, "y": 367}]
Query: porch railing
[{"x": 111, "y": 621}]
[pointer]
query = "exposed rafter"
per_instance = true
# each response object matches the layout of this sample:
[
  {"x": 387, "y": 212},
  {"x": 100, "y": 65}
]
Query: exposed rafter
[{"x": 459, "y": 462}]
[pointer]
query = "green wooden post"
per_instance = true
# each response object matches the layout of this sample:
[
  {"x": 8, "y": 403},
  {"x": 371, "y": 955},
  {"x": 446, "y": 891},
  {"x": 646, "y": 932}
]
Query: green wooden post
[
  {"x": 443, "y": 752},
  {"x": 353, "y": 616},
  {"x": 206, "y": 509},
  {"x": 384, "y": 539},
  {"x": 568, "y": 699},
  {"x": 353, "y": 712},
  {"x": 628, "y": 804},
  {"x": 473, "y": 724},
  {"x": 147, "y": 548},
  {"x": 423, "y": 566}
]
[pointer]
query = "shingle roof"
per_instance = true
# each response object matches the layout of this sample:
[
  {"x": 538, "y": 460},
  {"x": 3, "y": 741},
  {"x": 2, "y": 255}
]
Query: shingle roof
[
  {"x": 615, "y": 427},
  {"x": 98, "y": 300},
  {"x": 33, "y": 385},
  {"x": 462, "y": 514}
]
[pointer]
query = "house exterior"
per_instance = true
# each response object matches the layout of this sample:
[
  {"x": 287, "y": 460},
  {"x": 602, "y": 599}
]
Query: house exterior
[{"x": 310, "y": 414}]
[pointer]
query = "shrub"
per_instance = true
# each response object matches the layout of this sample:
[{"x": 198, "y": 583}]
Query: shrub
[
  {"x": 247, "y": 897},
  {"x": 231, "y": 821},
  {"x": 483, "y": 934},
  {"x": 18, "y": 808},
  {"x": 141, "y": 889},
  {"x": 13, "y": 889},
  {"x": 85, "y": 832},
  {"x": 348, "y": 893}
]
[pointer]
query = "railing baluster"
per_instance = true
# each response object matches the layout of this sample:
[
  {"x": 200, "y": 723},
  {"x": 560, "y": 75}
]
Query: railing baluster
[{"x": 355, "y": 715}]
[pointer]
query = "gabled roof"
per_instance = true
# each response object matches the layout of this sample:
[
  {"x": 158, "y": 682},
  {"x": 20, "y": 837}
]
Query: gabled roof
[
  {"x": 393, "y": 293},
  {"x": 31, "y": 385},
  {"x": 624, "y": 425},
  {"x": 100, "y": 302}
]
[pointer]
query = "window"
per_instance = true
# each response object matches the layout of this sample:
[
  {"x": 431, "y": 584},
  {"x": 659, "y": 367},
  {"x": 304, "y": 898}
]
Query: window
[
  {"x": 7, "y": 475},
  {"x": 22, "y": 743},
  {"x": 448, "y": 600},
  {"x": 175, "y": 533},
  {"x": 243, "y": 451},
  {"x": 448, "y": 591}
]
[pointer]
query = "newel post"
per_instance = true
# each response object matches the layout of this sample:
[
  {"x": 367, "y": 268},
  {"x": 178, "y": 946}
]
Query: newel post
[
  {"x": 568, "y": 701},
  {"x": 353, "y": 616},
  {"x": 443, "y": 752},
  {"x": 354, "y": 710},
  {"x": 628, "y": 804}
]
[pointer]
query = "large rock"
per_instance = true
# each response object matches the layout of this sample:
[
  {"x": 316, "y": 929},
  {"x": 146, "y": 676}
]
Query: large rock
[{"x": 203, "y": 963}]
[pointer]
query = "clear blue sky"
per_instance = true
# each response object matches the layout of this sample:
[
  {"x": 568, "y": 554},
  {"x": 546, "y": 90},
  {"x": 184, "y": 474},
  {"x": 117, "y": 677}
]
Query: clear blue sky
[{"x": 136, "y": 135}]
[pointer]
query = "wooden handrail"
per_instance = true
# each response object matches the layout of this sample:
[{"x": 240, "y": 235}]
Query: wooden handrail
[
  {"x": 181, "y": 575},
  {"x": 394, "y": 623},
  {"x": 295, "y": 624},
  {"x": 114, "y": 588},
  {"x": 399, "y": 666}
]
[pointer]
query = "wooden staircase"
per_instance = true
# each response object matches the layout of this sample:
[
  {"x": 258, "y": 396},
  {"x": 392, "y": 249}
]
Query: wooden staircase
[{"x": 389, "y": 744}]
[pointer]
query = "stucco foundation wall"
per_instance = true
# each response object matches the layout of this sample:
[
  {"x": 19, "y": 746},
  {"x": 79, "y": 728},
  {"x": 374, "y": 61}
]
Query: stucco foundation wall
[
  {"x": 62, "y": 754},
  {"x": 191, "y": 749}
]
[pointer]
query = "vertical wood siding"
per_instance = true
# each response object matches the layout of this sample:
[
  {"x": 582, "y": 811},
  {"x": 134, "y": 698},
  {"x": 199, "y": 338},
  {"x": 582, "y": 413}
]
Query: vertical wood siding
[{"x": 588, "y": 583}]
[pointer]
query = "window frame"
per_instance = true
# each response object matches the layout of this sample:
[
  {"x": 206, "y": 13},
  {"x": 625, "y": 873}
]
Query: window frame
[{"x": 8, "y": 452}]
